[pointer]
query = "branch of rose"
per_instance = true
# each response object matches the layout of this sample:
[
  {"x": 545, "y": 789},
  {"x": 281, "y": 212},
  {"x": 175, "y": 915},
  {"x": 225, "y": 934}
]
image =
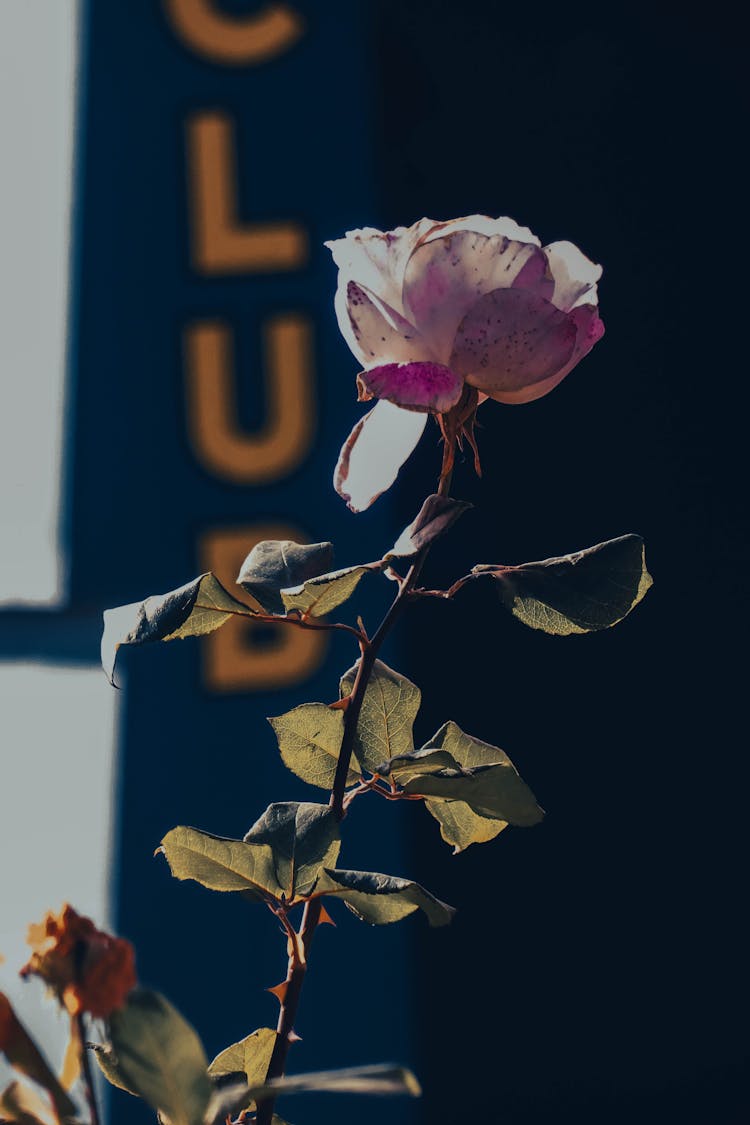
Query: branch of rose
[
  {"x": 88, "y": 1082},
  {"x": 289, "y": 994},
  {"x": 297, "y": 619}
]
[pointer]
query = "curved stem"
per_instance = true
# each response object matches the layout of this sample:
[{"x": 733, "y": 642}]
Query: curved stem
[{"x": 297, "y": 966}]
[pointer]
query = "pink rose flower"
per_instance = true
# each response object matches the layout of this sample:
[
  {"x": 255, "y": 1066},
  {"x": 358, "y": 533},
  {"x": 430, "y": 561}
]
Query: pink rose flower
[{"x": 443, "y": 316}]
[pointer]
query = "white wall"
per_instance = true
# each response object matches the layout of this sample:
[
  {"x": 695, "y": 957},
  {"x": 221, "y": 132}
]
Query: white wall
[
  {"x": 38, "y": 55},
  {"x": 57, "y": 724},
  {"x": 58, "y": 731}
]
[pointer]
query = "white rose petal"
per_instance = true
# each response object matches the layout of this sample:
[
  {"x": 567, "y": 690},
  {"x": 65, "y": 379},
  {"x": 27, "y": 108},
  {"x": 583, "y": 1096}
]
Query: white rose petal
[
  {"x": 374, "y": 452},
  {"x": 574, "y": 274},
  {"x": 374, "y": 331},
  {"x": 376, "y": 259},
  {"x": 483, "y": 224}
]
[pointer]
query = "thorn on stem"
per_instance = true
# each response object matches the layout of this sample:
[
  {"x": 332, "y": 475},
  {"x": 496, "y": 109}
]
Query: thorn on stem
[
  {"x": 279, "y": 991},
  {"x": 325, "y": 918}
]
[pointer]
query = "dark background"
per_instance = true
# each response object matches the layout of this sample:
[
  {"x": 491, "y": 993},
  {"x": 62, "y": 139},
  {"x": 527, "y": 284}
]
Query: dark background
[{"x": 596, "y": 971}]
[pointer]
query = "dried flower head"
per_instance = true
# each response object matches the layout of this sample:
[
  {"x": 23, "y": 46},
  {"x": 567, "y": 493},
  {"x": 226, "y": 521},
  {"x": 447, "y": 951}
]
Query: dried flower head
[{"x": 87, "y": 970}]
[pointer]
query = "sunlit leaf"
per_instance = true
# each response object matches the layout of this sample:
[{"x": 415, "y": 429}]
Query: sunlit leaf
[
  {"x": 471, "y": 788},
  {"x": 23, "y": 1105},
  {"x": 219, "y": 863},
  {"x": 302, "y": 838},
  {"x": 493, "y": 791},
  {"x": 460, "y": 826},
  {"x": 579, "y": 593},
  {"x": 249, "y": 1058},
  {"x": 486, "y": 779},
  {"x": 160, "y": 1058},
  {"x": 380, "y": 899},
  {"x": 197, "y": 608},
  {"x": 280, "y": 855},
  {"x": 436, "y": 516},
  {"x": 383, "y": 1079},
  {"x": 23, "y": 1054},
  {"x": 318, "y": 596},
  {"x": 275, "y": 564},
  {"x": 309, "y": 738},
  {"x": 389, "y": 708}
]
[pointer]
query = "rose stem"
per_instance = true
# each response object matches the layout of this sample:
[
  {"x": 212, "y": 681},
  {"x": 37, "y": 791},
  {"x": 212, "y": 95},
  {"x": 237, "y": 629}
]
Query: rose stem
[
  {"x": 88, "y": 1083},
  {"x": 297, "y": 966}
]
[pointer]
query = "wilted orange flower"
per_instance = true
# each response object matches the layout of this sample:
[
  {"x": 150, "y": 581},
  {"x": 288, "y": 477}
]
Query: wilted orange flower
[{"x": 88, "y": 970}]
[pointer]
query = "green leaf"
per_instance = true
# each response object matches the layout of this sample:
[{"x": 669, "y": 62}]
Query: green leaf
[
  {"x": 389, "y": 708},
  {"x": 309, "y": 738},
  {"x": 160, "y": 1058},
  {"x": 197, "y": 608},
  {"x": 383, "y": 1079},
  {"x": 250, "y": 1057},
  {"x": 280, "y": 856},
  {"x": 579, "y": 593},
  {"x": 436, "y": 516},
  {"x": 460, "y": 826},
  {"x": 492, "y": 791},
  {"x": 471, "y": 788},
  {"x": 302, "y": 838},
  {"x": 219, "y": 863},
  {"x": 275, "y": 564},
  {"x": 380, "y": 899},
  {"x": 318, "y": 596},
  {"x": 485, "y": 779}
]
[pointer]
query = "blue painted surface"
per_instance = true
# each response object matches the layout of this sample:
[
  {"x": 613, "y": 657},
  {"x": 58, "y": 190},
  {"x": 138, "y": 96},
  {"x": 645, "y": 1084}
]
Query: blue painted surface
[{"x": 140, "y": 501}]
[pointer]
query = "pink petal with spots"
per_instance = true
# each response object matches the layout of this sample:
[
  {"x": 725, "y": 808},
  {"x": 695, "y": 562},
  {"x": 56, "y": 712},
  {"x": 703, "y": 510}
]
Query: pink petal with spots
[
  {"x": 589, "y": 329},
  {"x": 374, "y": 331},
  {"x": 376, "y": 259},
  {"x": 446, "y": 276},
  {"x": 574, "y": 274},
  {"x": 512, "y": 340},
  {"x": 374, "y": 452},
  {"x": 535, "y": 276},
  {"x": 428, "y": 387}
]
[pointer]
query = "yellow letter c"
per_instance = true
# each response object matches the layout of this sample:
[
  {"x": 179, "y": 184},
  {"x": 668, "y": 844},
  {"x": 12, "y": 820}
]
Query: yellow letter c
[{"x": 233, "y": 41}]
